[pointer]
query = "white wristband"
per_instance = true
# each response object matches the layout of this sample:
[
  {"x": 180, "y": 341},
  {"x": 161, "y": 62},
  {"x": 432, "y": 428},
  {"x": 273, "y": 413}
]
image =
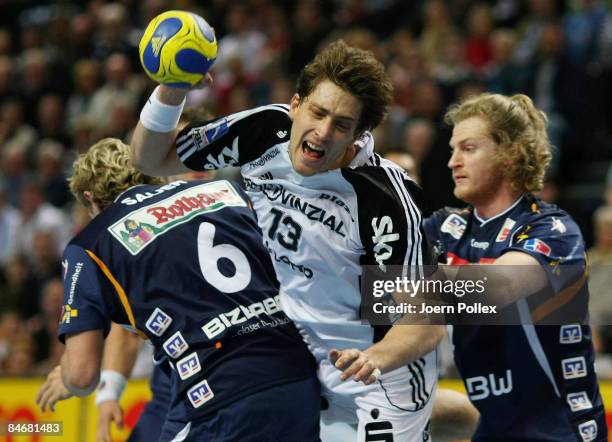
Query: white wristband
[
  {"x": 112, "y": 384},
  {"x": 160, "y": 117}
]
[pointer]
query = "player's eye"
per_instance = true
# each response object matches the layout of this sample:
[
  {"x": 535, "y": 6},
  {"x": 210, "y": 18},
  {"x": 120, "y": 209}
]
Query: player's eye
[{"x": 343, "y": 127}]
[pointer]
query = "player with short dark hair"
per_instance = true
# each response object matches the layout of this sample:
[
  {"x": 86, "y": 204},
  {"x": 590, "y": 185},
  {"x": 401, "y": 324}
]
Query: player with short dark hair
[
  {"x": 530, "y": 382},
  {"x": 183, "y": 265},
  {"x": 328, "y": 205}
]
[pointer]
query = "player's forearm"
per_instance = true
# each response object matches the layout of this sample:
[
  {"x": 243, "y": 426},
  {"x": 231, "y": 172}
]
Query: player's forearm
[
  {"x": 405, "y": 343},
  {"x": 152, "y": 151},
  {"x": 121, "y": 350},
  {"x": 80, "y": 363}
]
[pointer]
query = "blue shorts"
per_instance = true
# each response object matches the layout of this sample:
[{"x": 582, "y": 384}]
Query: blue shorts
[
  {"x": 287, "y": 412},
  {"x": 154, "y": 414}
]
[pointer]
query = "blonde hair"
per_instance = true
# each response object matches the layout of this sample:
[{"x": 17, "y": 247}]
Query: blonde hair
[
  {"x": 519, "y": 130},
  {"x": 106, "y": 170}
]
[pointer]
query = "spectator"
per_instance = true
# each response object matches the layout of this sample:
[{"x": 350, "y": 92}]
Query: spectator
[
  {"x": 51, "y": 122},
  {"x": 478, "y": 45},
  {"x": 85, "y": 79},
  {"x": 9, "y": 224},
  {"x": 120, "y": 82},
  {"x": 49, "y": 163},
  {"x": 503, "y": 75},
  {"x": 37, "y": 214},
  {"x": 21, "y": 292}
]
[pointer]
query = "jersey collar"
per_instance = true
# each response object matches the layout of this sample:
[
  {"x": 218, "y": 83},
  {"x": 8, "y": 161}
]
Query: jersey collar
[
  {"x": 484, "y": 221},
  {"x": 365, "y": 143}
]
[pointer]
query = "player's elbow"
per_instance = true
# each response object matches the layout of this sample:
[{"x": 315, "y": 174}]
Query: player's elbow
[
  {"x": 436, "y": 335},
  {"x": 82, "y": 380}
]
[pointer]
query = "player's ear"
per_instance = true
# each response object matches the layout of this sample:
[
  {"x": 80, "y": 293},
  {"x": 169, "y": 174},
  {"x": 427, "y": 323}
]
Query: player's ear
[
  {"x": 294, "y": 104},
  {"x": 88, "y": 196}
]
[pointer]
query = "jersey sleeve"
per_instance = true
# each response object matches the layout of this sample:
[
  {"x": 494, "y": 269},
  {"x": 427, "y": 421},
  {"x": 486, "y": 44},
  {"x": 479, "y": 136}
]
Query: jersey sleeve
[
  {"x": 233, "y": 140},
  {"x": 432, "y": 228},
  {"x": 390, "y": 224},
  {"x": 84, "y": 306},
  {"x": 556, "y": 243}
]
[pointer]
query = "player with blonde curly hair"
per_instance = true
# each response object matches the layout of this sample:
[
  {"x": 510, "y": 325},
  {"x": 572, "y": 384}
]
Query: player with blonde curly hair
[{"x": 530, "y": 381}]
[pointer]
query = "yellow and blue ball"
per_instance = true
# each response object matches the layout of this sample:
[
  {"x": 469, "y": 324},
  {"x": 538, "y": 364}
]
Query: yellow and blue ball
[{"x": 178, "y": 48}]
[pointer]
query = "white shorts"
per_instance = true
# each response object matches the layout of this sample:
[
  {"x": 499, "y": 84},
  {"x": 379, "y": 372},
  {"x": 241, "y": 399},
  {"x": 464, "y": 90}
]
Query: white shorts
[{"x": 393, "y": 409}]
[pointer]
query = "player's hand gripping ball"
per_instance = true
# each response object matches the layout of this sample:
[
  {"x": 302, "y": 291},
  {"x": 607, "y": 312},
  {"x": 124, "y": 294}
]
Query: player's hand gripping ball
[{"x": 178, "y": 48}]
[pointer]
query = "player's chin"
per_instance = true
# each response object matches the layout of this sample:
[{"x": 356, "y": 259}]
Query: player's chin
[{"x": 304, "y": 169}]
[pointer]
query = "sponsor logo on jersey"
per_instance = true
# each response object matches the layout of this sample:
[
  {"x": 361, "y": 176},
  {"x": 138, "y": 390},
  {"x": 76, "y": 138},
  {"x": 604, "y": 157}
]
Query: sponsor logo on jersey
[
  {"x": 200, "y": 393},
  {"x": 307, "y": 271},
  {"x": 479, "y": 244},
  {"x": 558, "y": 225},
  {"x": 588, "y": 431},
  {"x": 203, "y": 136},
  {"x": 281, "y": 133},
  {"x": 74, "y": 279},
  {"x": 334, "y": 199},
  {"x": 454, "y": 225},
  {"x": 379, "y": 431},
  {"x": 227, "y": 157},
  {"x": 570, "y": 334},
  {"x": 139, "y": 197},
  {"x": 188, "y": 366},
  {"x": 383, "y": 235},
  {"x": 269, "y": 155},
  {"x": 579, "y": 401},
  {"x": 536, "y": 245},
  {"x": 64, "y": 269},
  {"x": 505, "y": 231},
  {"x": 240, "y": 314},
  {"x": 141, "y": 227},
  {"x": 481, "y": 387},
  {"x": 276, "y": 192},
  {"x": 574, "y": 367},
  {"x": 158, "y": 322},
  {"x": 68, "y": 313},
  {"x": 175, "y": 345}
]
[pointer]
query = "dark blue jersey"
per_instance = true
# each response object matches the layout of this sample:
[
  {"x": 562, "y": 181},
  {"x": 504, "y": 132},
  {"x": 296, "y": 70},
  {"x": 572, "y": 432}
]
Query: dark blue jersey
[
  {"x": 529, "y": 382},
  {"x": 184, "y": 265}
]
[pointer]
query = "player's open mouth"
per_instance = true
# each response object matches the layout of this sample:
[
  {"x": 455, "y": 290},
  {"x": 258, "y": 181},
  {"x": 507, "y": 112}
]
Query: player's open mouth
[{"x": 312, "y": 151}]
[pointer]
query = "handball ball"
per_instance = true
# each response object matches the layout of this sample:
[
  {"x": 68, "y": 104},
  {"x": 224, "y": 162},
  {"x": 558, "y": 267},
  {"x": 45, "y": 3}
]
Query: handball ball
[{"x": 178, "y": 48}]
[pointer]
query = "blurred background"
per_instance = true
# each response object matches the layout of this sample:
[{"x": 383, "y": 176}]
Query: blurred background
[{"x": 70, "y": 74}]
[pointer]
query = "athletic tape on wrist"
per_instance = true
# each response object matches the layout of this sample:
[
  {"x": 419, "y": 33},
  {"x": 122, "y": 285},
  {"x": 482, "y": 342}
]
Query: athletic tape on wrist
[
  {"x": 112, "y": 384},
  {"x": 160, "y": 117}
]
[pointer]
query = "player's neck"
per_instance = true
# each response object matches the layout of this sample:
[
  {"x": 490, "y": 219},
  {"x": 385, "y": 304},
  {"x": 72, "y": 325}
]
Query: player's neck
[{"x": 497, "y": 203}]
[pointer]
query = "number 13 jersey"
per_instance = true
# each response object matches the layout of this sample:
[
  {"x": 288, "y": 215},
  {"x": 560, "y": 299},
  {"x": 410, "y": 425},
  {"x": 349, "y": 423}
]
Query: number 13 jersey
[{"x": 321, "y": 229}]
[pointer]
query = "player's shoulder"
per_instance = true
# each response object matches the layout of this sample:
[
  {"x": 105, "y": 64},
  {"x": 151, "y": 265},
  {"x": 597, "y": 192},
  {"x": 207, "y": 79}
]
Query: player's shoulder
[
  {"x": 539, "y": 212},
  {"x": 451, "y": 213},
  {"x": 382, "y": 178},
  {"x": 271, "y": 112}
]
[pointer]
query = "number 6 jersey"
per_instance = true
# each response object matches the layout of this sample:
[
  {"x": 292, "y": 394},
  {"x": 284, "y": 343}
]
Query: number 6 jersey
[{"x": 184, "y": 265}]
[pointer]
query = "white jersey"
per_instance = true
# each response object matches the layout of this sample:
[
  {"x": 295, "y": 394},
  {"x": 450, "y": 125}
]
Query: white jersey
[{"x": 320, "y": 230}]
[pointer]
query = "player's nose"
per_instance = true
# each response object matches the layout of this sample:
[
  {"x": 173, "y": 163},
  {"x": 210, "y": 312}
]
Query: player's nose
[{"x": 324, "y": 129}]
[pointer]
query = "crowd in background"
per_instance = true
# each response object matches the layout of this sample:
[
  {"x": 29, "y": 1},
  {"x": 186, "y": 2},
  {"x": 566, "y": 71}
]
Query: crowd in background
[{"x": 70, "y": 75}]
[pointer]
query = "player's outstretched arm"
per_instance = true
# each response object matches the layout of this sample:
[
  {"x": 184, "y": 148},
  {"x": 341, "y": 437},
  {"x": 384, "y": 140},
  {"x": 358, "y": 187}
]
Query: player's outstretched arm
[
  {"x": 78, "y": 372},
  {"x": 80, "y": 363},
  {"x": 52, "y": 391},
  {"x": 120, "y": 353},
  {"x": 401, "y": 345},
  {"x": 152, "y": 146}
]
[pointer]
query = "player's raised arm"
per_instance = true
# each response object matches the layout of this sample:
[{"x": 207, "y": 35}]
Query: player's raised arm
[
  {"x": 152, "y": 147},
  {"x": 178, "y": 61}
]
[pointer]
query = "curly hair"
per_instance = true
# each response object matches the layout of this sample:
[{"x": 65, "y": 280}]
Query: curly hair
[
  {"x": 106, "y": 170},
  {"x": 356, "y": 71},
  {"x": 519, "y": 130}
]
